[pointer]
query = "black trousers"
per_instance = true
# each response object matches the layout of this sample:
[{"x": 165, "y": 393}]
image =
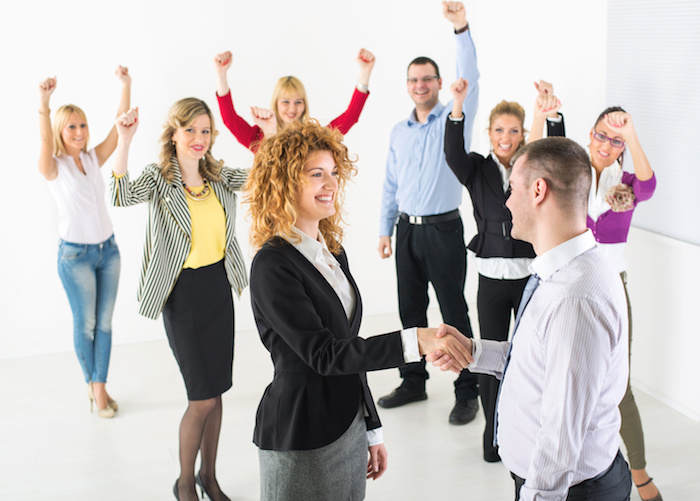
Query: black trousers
[
  {"x": 615, "y": 484},
  {"x": 433, "y": 253},
  {"x": 494, "y": 302}
]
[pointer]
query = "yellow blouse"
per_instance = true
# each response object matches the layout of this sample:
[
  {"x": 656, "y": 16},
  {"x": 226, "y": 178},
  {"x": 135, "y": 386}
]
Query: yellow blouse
[{"x": 208, "y": 230}]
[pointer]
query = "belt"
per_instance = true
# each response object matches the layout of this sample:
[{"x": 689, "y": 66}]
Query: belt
[
  {"x": 438, "y": 218},
  {"x": 501, "y": 228}
]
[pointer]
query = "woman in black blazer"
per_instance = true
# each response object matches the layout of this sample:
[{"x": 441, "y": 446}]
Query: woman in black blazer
[
  {"x": 317, "y": 418},
  {"x": 501, "y": 260}
]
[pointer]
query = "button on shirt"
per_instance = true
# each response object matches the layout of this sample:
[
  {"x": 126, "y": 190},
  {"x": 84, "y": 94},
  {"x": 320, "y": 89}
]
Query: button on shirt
[
  {"x": 558, "y": 417},
  {"x": 418, "y": 180}
]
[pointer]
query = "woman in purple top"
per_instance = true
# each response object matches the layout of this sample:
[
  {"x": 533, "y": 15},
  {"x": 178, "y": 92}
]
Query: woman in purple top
[{"x": 611, "y": 203}]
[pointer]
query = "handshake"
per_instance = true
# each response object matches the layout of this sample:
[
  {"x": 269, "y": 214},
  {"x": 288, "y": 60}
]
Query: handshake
[{"x": 445, "y": 347}]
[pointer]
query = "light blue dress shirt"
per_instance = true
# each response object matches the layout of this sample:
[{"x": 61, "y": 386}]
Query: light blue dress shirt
[{"x": 418, "y": 180}]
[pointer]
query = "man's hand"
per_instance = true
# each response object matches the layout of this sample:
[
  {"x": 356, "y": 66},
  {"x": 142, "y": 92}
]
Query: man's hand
[
  {"x": 384, "y": 247},
  {"x": 451, "y": 343},
  {"x": 455, "y": 13},
  {"x": 444, "y": 359}
]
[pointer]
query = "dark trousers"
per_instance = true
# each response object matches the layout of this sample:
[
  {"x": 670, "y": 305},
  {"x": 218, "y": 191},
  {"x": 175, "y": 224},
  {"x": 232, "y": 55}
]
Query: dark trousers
[
  {"x": 615, "y": 484},
  {"x": 495, "y": 301},
  {"x": 433, "y": 253}
]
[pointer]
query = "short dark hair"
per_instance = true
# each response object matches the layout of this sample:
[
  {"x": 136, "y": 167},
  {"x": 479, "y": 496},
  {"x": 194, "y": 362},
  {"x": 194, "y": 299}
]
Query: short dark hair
[
  {"x": 424, "y": 60},
  {"x": 564, "y": 165}
]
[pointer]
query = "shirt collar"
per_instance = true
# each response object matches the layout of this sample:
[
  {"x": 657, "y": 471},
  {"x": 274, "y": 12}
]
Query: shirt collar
[
  {"x": 554, "y": 259},
  {"x": 435, "y": 112},
  {"x": 313, "y": 250}
]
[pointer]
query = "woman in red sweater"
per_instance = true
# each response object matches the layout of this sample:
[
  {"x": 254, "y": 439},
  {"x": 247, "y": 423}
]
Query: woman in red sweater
[{"x": 288, "y": 103}]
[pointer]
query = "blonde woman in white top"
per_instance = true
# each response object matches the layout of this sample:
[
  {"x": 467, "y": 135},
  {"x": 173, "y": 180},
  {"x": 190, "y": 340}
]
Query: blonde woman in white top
[{"x": 88, "y": 257}]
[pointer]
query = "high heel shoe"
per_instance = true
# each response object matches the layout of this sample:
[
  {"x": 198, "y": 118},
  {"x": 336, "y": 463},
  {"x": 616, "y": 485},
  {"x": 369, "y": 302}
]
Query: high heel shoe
[
  {"x": 112, "y": 404},
  {"x": 107, "y": 412},
  {"x": 644, "y": 484},
  {"x": 177, "y": 496},
  {"x": 198, "y": 480}
]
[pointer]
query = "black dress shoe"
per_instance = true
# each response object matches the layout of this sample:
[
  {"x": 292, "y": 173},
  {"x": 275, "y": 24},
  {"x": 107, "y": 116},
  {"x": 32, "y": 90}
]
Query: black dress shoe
[
  {"x": 464, "y": 411},
  {"x": 491, "y": 456},
  {"x": 400, "y": 396}
]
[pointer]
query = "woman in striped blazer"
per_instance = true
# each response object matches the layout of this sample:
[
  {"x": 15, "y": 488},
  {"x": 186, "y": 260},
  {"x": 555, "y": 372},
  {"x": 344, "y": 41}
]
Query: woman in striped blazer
[{"x": 191, "y": 261}]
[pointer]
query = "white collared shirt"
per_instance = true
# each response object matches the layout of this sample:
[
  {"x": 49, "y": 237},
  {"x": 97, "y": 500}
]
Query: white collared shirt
[
  {"x": 597, "y": 205},
  {"x": 558, "y": 417}
]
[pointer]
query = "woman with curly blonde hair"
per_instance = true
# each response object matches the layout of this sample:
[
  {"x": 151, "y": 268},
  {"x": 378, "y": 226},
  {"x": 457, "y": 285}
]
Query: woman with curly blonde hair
[
  {"x": 191, "y": 261},
  {"x": 317, "y": 418}
]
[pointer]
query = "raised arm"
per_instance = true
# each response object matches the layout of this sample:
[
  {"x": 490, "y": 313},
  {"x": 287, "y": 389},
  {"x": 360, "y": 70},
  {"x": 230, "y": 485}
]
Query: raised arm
[
  {"x": 265, "y": 119},
  {"x": 467, "y": 68},
  {"x": 47, "y": 163},
  {"x": 546, "y": 106},
  {"x": 246, "y": 134},
  {"x": 622, "y": 122},
  {"x": 457, "y": 157},
  {"x": 106, "y": 147},
  {"x": 126, "y": 125},
  {"x": 365, "y": 60}
]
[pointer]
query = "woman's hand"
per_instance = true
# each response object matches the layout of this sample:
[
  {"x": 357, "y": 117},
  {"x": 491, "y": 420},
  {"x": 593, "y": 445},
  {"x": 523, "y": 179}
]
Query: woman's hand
[
  {"x": 365, "y": 59},
  {"x": 459, "y": 93},
  {"x": 122, "y": 73},
  {"x": 222, "y": 61},
  {"x": 46, "y": 88},
  {"x": 377, "y": 463},
  {"x": 127, "y": 123},
  {"x": 265, "y": 119},
  {"x": 622, "y": 123},
  {"x": 546, "y": 102}
]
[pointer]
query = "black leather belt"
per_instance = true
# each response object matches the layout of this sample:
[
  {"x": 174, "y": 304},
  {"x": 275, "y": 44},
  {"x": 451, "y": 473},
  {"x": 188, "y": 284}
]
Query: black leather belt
[
  {"x": 501, "y": 228},
  {"x": 438, "y": 218}
]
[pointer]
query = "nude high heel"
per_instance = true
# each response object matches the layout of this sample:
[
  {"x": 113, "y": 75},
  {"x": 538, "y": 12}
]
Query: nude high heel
[{"x": 107, "y": 412}]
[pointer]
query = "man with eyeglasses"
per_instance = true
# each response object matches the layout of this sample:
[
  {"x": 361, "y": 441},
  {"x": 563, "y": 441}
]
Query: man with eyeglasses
[{"x": 421, "y": 198}]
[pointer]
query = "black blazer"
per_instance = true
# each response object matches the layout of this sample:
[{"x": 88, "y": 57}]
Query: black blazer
[
  {"x": 483, "y": 180},
  {"x": 319, "y": 360}
]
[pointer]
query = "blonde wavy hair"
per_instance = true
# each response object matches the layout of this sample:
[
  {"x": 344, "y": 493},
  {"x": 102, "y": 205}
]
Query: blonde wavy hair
[
  {"x": 275, "y": 182},
  {"x": 59, "y": 122},
  {"x": 182, "y": 114},
  {"x": 509, "y": 108},
  {"x": 284, "y": 87}
]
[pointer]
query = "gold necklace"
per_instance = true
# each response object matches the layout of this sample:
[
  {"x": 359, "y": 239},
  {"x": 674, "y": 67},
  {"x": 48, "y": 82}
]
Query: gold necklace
[{"x": 198, "y": 197}]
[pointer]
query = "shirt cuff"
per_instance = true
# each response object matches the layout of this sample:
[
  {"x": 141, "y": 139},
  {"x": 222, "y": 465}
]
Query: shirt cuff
[
  {"x": 409, "y": 339},
  {"x": 375, "y": 437},
  {"x": 555, "y": 120},
  {"x": 477, "y": 350},
  {"x": 460, "y": 119}
]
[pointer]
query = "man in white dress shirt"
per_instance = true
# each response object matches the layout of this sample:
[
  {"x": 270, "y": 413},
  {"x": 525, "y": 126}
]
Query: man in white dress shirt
[{"x": 564, "y": 372}]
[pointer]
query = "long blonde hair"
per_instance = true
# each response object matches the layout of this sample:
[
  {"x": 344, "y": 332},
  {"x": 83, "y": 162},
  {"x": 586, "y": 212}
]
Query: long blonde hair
[
  {"x": 286, "y": 86},
  {"x": 182, "y": 114},
  {"x": 275, "y": 181},
  {"x": 59, "y": 122}
]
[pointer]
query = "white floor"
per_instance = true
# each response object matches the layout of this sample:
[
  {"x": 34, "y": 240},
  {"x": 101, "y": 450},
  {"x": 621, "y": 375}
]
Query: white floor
[{"x": 51, "y": 447}]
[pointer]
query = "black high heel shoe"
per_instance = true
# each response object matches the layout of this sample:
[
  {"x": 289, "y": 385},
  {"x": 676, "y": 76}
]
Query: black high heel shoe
[
  {"x": 177, "y": 496},
  {"x": 198, "y": 480}
]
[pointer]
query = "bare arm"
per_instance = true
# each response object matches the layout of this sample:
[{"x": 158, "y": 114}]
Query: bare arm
[
  {"x": 366, "y": 61},
  {"x": 622, "y": 122},
  {"x": 105, "y": 149},
  {"x": 222, "y": 63},
  {"x": 126, "y": 125},
  {"x": 47, "y": 163}
]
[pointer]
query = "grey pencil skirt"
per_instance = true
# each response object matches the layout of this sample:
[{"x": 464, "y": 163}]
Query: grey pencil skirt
[{"x": 335, "y": 472}]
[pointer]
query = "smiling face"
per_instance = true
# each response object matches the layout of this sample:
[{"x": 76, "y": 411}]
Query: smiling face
[
  {"x": 317, "y": 196},
  {"x": 290, "y": 107},
  {"x": 193, "y": 140},
  {"x": 422, "y": 86},
  {"x": 506, "y": 135},
  {"x": 75, "y": 134},
  {"x": 604, "y": 154}
]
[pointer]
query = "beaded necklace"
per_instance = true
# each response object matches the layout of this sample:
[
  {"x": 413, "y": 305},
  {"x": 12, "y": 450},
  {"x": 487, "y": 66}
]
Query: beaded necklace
[{"x": 198, "y": 197}]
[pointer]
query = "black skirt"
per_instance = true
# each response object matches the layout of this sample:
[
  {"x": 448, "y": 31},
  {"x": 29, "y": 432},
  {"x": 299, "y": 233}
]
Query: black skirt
[{"x": 198, "y": 318}]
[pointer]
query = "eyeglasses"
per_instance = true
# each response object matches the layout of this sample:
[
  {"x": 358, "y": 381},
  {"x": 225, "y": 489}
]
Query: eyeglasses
[
  {"x": 616, "y": 143},
  {"x": 425, "y": 80}
]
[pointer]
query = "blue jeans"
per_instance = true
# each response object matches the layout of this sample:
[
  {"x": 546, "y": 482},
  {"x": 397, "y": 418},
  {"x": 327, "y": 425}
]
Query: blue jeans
[{"x": 90, "y": 277}]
